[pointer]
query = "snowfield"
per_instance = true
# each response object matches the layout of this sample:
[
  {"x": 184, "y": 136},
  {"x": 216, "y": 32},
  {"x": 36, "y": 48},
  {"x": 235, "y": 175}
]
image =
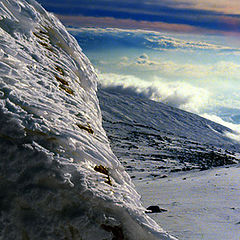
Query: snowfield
[{"x": 201, "y": 205}]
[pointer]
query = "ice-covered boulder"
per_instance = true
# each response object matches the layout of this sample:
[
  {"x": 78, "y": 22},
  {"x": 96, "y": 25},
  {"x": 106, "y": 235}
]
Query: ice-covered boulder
[{"x": 58, "y": 176}]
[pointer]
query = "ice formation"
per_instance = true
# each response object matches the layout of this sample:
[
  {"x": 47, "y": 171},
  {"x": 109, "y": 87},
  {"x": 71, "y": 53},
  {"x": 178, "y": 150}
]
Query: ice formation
[{"x": 59, "y": 178}]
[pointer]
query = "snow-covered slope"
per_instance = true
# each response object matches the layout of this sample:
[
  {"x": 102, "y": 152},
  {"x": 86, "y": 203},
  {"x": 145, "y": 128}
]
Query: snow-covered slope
[
  {"x": 153, "y": 139},
  {"x": 58, "y": 176}
]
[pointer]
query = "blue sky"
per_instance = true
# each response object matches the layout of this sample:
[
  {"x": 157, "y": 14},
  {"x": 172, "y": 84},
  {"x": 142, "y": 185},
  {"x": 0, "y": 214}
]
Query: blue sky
[
  {"x": 205, "y": 16},
  {"x": 197, "y": 74}
]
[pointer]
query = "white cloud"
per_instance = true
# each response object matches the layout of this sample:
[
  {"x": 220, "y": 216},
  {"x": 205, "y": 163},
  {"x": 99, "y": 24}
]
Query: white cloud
[
  {"x": 224, "y": 71},
  {"x": 161, "y": 42},
  {"x": 177, "y": 94},
  {"x": 235, "y": 135},
  {"x": 154, "y": 40},
  {"x": 124, "y": 59}
]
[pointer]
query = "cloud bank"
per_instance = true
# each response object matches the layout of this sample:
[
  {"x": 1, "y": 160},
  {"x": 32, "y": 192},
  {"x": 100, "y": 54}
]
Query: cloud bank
[
  {"x": 235, "y": 135},
  {"x": 178, "y": 94},
  {"x": 222, "y": 70},
  {"x": 148, "y": 39}
]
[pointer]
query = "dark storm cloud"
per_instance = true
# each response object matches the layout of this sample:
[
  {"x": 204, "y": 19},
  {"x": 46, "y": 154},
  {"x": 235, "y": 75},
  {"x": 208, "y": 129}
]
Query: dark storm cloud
[{"x": 168, "y": 11}]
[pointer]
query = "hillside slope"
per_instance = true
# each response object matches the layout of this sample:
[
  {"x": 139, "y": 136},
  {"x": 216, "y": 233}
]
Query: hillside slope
[{"x": 153, "y": 138}]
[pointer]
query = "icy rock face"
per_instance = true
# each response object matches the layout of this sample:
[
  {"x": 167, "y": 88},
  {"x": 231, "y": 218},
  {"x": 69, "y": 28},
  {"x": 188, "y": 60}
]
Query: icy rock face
[{"x": 58, "y": 176}]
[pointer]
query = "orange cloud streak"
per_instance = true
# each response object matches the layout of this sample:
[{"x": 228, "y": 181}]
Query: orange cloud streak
[
  {"x": 221, "y": 6},
  {"x": 82, "y": 21}
]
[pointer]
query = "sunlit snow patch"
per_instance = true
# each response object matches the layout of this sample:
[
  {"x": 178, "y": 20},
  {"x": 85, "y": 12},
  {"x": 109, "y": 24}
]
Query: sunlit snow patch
[{"x": 59, "y": 178}]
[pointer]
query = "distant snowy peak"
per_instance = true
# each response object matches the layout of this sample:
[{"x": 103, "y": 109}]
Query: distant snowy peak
[{"x": 59, "y": 177}]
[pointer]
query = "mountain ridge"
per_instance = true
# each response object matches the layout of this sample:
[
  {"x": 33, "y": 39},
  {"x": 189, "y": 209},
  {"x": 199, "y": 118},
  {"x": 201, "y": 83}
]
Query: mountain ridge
[{"x": 143, "y": 130}]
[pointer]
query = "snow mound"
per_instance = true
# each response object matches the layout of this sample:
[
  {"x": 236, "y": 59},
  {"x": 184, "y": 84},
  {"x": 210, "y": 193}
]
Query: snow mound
[{"x": 59, "y": 178}]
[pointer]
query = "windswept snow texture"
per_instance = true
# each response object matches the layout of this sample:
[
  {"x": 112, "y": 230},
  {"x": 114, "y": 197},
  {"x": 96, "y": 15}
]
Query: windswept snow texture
[
  {"x": 156, "y": 140},
  {"x": 58, "y": 176}
]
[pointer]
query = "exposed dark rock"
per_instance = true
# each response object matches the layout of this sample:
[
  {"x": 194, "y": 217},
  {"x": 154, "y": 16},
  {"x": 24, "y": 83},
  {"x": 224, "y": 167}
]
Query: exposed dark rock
[
  {"x": 155, "y": 175},
  {"x": 104, "y": 171},
  {"x": 86, "y": 128},
  {"x": 155, "y": 209},
  {"x": 115, "y": 230}
]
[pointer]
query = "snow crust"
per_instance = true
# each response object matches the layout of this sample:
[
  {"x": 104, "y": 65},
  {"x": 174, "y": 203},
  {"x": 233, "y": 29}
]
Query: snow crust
[
  {"x": 52, "y": 143},
  {"x": 202, "y": 205}
]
